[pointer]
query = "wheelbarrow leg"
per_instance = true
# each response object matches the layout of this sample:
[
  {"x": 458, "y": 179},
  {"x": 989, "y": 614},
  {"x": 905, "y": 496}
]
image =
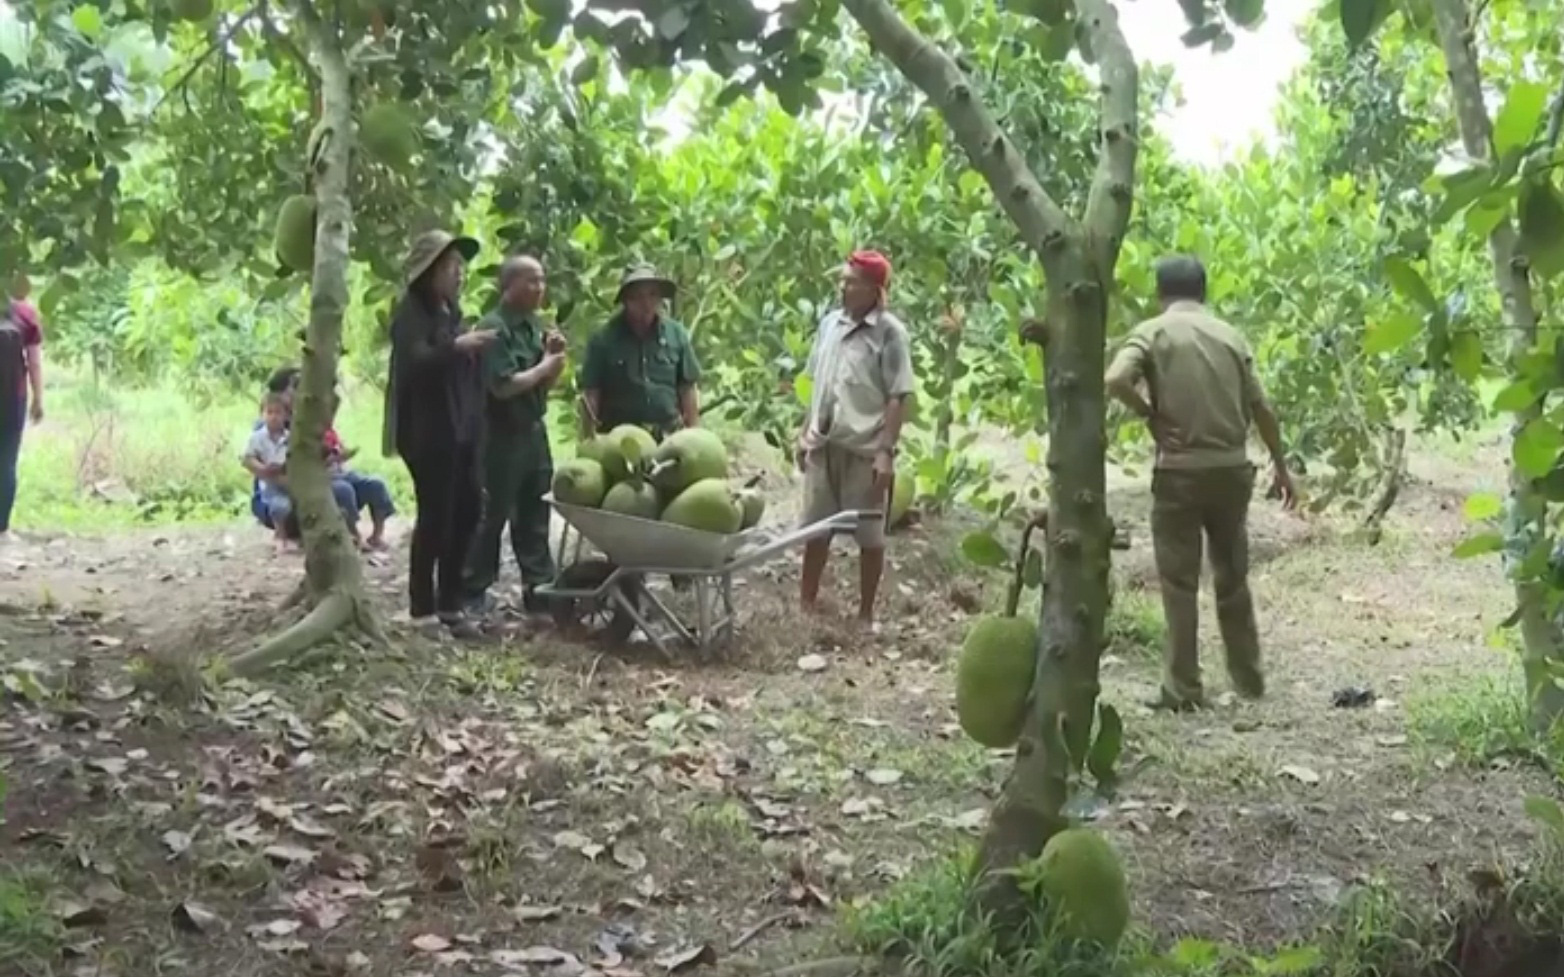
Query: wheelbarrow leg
[
  {"x": 627, "y": 606},
  {"x": 703, "y": 613}
]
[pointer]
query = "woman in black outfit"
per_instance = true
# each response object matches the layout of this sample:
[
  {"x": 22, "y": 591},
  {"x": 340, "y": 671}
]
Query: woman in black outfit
[{"x": 434, "y": 420}]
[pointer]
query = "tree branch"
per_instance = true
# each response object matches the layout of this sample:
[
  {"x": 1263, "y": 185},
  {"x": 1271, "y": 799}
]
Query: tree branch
[
  {"x": 211, "y": 49},
  {"x": 1555, "y": 120},
  {"x": 1044, "y": 226},
  {"x": 285, "y": 42},
  {"x": 1112, "y": 194}
]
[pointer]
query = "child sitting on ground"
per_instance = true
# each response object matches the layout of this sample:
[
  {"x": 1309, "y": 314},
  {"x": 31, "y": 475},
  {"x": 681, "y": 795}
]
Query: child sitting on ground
[
  {"x": 368, "y": 491},
  {"x": 266, "y": 457}
]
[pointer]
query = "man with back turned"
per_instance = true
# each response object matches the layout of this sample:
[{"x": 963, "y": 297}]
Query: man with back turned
[{"x": 1201, "y": 396}]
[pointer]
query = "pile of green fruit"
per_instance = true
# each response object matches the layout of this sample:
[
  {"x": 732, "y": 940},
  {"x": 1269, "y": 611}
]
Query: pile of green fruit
[{"x": 683, "y": 480}]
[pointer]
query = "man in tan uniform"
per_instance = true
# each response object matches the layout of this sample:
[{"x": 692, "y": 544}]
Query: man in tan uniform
[
  {"x": 861, "y": 370},
  {"x": 1203, "y": 395}
]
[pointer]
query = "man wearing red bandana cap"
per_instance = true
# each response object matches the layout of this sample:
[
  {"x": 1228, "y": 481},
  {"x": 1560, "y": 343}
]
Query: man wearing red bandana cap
[{"x": 861, "y": 373}]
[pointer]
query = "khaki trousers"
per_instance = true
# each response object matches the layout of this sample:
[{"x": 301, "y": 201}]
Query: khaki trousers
[{"x": 1191, "y": 507}]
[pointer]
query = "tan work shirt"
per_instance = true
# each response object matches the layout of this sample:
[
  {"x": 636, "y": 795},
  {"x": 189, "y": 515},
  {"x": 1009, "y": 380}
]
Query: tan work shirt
[
  {"x": 1200, "y": 376},
  {"x": 857, "y": 369}
]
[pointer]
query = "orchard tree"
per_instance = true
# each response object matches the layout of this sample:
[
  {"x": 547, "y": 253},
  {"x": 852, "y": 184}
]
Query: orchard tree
[
  {"x": 272, "y": 73},
  {"x": 1509, "y": 193},
  {"x": 1078, "y": 256}
]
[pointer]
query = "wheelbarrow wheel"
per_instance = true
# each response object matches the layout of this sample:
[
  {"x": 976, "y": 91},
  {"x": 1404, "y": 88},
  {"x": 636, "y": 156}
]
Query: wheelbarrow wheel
[{"x": 591, "y": 574}]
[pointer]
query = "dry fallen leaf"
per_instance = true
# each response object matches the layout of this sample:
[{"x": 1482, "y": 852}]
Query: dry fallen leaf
[
  {"x": 1299, "y": 773},
  {"x": 883, "y": 776},
  {"x": 688, "y": 958},
  {"x": 289, "y": 854},
  {"x": 177, "y": 843},
  {"x": 537, "y": 956},
  {"x": 194, "y": 917},
  {"x": 535, "y": 914},
  {"x": 430, "y": 943},
  {"x": 629, "y": 858},
  {"x": 812, "y": 663}
]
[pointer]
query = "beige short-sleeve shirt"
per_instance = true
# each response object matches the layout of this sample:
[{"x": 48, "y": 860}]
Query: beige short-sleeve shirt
[
  {"x": 857, "y": 369},
  {"x": 1201, "y": 378}
]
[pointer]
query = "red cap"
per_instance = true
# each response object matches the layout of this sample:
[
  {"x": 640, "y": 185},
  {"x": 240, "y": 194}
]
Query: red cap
[{"x": 872, "y": 265}]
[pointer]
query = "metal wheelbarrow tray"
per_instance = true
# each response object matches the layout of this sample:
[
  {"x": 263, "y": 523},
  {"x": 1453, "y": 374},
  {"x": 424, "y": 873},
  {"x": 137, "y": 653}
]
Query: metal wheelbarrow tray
[{"x": 634, "y": 548}]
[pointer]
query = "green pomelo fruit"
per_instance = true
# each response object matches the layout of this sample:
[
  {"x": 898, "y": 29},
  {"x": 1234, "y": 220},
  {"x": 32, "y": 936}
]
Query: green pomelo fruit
[
  {"x": 1083, "y": 881},
  {"x": 592, "y": 449},
  {"x": 709, "y": 505},
  {"x": 388, "y": 133},
  {"x": 625, "y": 449},
  {"x": 294, "y": 240},
  {"x": 753, "y": 505},
  {"x": 637, "y": 499},
  {"x": 994, "y": 678},
  {"x": 689, "y": 456},
  {"x": 902, "y": 493},
  {"x": 580, "y": 481},
  {"x": 191, "y": 9}
]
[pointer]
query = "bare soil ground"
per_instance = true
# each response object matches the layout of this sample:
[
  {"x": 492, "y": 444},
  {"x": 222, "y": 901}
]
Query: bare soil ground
[{"x": 544, "y": 805}]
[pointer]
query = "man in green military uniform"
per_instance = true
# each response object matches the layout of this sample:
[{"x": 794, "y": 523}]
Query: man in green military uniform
[
  {"x": 520, "y": 368},
  {"x": 640, "y": 367}
]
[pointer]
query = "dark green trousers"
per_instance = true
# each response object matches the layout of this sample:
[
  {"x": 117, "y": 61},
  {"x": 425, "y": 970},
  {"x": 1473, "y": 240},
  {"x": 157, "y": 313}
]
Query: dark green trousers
[{"x": 517, "y": 471}]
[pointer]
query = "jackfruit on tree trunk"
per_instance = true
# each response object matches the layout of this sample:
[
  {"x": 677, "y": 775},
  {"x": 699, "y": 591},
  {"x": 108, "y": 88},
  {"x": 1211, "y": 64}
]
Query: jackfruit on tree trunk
[
  {"x": 1083, "y": 880},
  {"x": 294, "y": 241},
  {"x": 994, "y": 678},
  {"x": 387, "y": 131}
]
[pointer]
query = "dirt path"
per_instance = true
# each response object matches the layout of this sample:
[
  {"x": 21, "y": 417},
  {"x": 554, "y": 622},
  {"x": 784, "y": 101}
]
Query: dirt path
[{"x": 463, "y": 808}]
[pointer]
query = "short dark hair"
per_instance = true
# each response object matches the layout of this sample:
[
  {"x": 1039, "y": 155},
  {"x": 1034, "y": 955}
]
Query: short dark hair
[
  {"x": 274, "y": 398},
  {"x": 1181, "y": 276},
  {"x": 282, "y": 378}
]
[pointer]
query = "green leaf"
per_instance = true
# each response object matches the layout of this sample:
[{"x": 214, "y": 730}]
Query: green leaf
[
  {"x": 1541, "y": 220},
  {"x": 1460, "y": 190},
  {"x": 1245, "y": 13},
  {"x": 88, "y": 20},
  {"x": 1292, "y": 962},
  {"x": 1360, "y": 18},
  {"x": 803, "y": 388},
  {"x": 1466, "y": 355},
  {"x": 1546, "y": 812},
  {"x": 1409, "y": 284},
  {"x": 1032, "y": 573},
  {"x": 1518, "y": 119},
  {"x": 1537, "y": 446},
  {"x": 1478, "y": 546},
  {"x": 1108, "y": 745},
  {"x": 984, "y": 550},
  {"x": 1391, "y": 333},
  {"x": 1516, "y": 397},
  {"x": 585, "y": 71},
  {"x": 1482, "y": 505}
]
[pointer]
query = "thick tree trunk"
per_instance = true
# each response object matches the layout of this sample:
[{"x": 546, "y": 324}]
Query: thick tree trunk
[
  {"x": 334, "y": 579},
  {"x": 1075, "y": 592},
  {"x": 1078, "y": 261},
  {"x": 1541, "y": 636}
]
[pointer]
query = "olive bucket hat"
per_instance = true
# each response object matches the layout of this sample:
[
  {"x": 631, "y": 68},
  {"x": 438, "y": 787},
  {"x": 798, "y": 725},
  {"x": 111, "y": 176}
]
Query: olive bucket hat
[
  {"x": 636, "y": 274},
  {"x": 427, "y": 249}
]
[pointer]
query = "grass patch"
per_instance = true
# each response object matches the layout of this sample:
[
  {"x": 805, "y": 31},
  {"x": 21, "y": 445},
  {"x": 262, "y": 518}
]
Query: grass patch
[
  {"x": 30, "y": 936},
  {"x": 1135, "y": 628},
  {"x": 927, "y": 924},
  {"x": 1480, "y": 720}
]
